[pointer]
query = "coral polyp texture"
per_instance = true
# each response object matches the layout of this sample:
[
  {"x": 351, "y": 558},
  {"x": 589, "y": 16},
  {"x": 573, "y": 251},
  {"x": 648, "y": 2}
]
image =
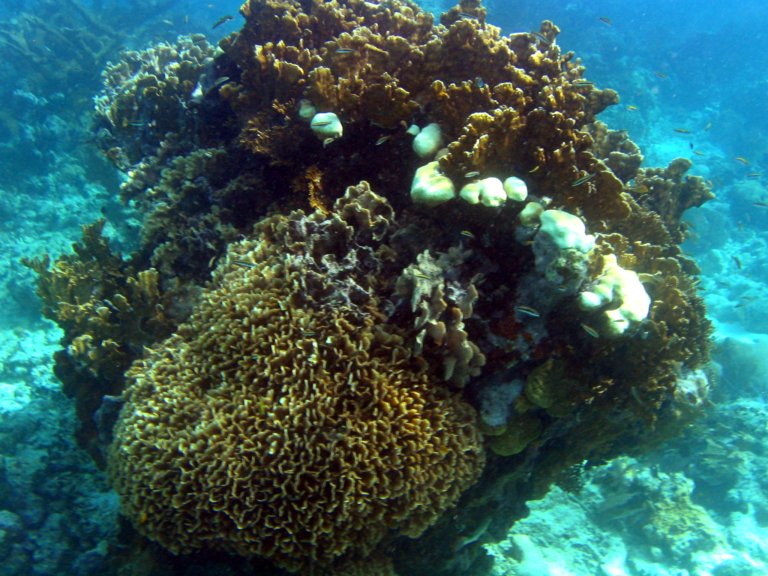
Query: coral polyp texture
[
  {"x": 284, "y": 421},
  {"x": 397, "y": 281}
]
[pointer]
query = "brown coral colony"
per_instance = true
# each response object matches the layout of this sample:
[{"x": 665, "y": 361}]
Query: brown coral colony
[{"x": 315, "y": 363}]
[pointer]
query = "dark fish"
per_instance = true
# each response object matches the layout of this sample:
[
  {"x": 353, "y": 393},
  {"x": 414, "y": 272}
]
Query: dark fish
[
  {"x": 737, "y": 262},
  {"x": 754, "y": 175},
  {"x": 221, "y": 21},
  {"x": 582, "y": 180},
  {"x": 660, "y": 75},
  {"x": 682, "y": 131},
  {"x": 528, "y": 311},
  {"x": 542, "y": 38},
  {"x": 582, "y": 83},
  {"x": 760, "y": 204},
  {"x": 605, "y": 20},
  {"x": 589, "y": 330},
  {"x": 244, "y": 264}
]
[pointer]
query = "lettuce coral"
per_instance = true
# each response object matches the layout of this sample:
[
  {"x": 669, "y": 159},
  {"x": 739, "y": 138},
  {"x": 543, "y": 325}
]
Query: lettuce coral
[{"x": 283, "y": 422}]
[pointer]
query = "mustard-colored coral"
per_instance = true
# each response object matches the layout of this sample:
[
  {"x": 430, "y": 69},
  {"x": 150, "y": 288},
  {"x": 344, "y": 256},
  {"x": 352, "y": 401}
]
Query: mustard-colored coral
[
  {"x": 279, "y": 423},
  {"x": 109, "y": 311}
]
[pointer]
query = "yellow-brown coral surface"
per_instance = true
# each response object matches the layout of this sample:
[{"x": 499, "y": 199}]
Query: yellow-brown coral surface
[
  {"x": 321, "y": 398},
  {"x": 276, "y": 424}
]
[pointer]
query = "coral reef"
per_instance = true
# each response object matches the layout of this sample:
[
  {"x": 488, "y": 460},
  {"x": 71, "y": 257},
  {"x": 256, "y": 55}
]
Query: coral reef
[
  {"x": 286, "y": 418},
  {"x": 669, "y": 192},
  {"x": 147, "y": 97},
  {"x": 311, "y": 393},
  {"x": 109, "y": 311}
]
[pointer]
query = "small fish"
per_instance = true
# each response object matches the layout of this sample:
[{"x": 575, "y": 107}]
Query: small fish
[
  {"x": 528, "y": 311},
  {"x": 582, "y": 83},
  {"x": 219, "y": 82},
  {"x": 345, "y": 51},
  {"x": 542, "y": 38},
  {"x": 737, "y": 262},
  {"x": 534, "y": 169},
  {"x": 244, "y": 264},
  {"x": 383, "y": 139},
  {"x": 631, "y": 108},
  {"x": 660, "y": 75},
  {"x": 708, "y": 126},
  {"x": 467, "y": 234},
  {"x": 167, "y": 22},
  {"x": 754, "y": 175},
  {"x": 472, "y": 174},
  {"x": 605, "y": 20},
  {"x": 742, "y": 160},
  {"x": 137, "y": 124},
  {"x": 760, "y": 204},
  {"x": 421, "y": 275},
  {"x": 328, "y": 141},
  {"x": 222, "y": 20},
  {"x": 698, "y": 153},
  {"x": 467, "y": 16},
  {"x": 589, "y": 330},
  {"x": 319, "y": 123},
  {"x": 582, "y": 180},
  {"x": 682, "y": 131},
  {"x": 479, "y": 82}
]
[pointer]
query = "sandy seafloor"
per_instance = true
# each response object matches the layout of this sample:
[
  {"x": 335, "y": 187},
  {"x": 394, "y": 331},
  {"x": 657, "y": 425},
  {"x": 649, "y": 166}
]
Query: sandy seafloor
[{"x": 698, "y": 506}]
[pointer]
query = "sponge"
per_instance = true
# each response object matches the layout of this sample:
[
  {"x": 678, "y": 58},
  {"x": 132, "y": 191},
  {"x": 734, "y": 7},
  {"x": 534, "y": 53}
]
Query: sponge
[
  {"x": 326, "y": 125},
  {"x": 428, "y": 141},
  {"x": 430, "y": 186},
  {"x": 617, "y": 285},
  {"x": 566, "y": 231},
  {"x": 488, "y": 191}
]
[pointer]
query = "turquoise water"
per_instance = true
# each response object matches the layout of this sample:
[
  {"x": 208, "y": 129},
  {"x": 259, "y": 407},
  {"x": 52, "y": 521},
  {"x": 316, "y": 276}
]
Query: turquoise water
[{"x": 692, "y": 84}]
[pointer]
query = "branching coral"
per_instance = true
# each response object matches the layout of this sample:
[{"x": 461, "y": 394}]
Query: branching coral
[
  {"x": 148, "y": 96},
  {"x": 109, "y": 311},
  {"x": 282, "y": 422}
]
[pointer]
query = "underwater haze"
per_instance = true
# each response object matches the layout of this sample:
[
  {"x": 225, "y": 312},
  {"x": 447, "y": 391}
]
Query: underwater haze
[{"x": 384, "y": 288}]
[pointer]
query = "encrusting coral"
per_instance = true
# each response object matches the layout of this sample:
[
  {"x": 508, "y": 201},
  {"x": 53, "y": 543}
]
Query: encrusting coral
[
  {"x": 318, "y": 394},
  {"x": 286, "y": 418}
]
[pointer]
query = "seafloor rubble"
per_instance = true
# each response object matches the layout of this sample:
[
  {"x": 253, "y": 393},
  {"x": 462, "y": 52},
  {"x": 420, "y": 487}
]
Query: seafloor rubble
[{"x": 394, "y": 281}]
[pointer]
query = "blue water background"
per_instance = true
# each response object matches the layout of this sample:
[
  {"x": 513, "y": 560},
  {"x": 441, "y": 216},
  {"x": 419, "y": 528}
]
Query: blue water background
[{"x": 692, "y": 65}]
